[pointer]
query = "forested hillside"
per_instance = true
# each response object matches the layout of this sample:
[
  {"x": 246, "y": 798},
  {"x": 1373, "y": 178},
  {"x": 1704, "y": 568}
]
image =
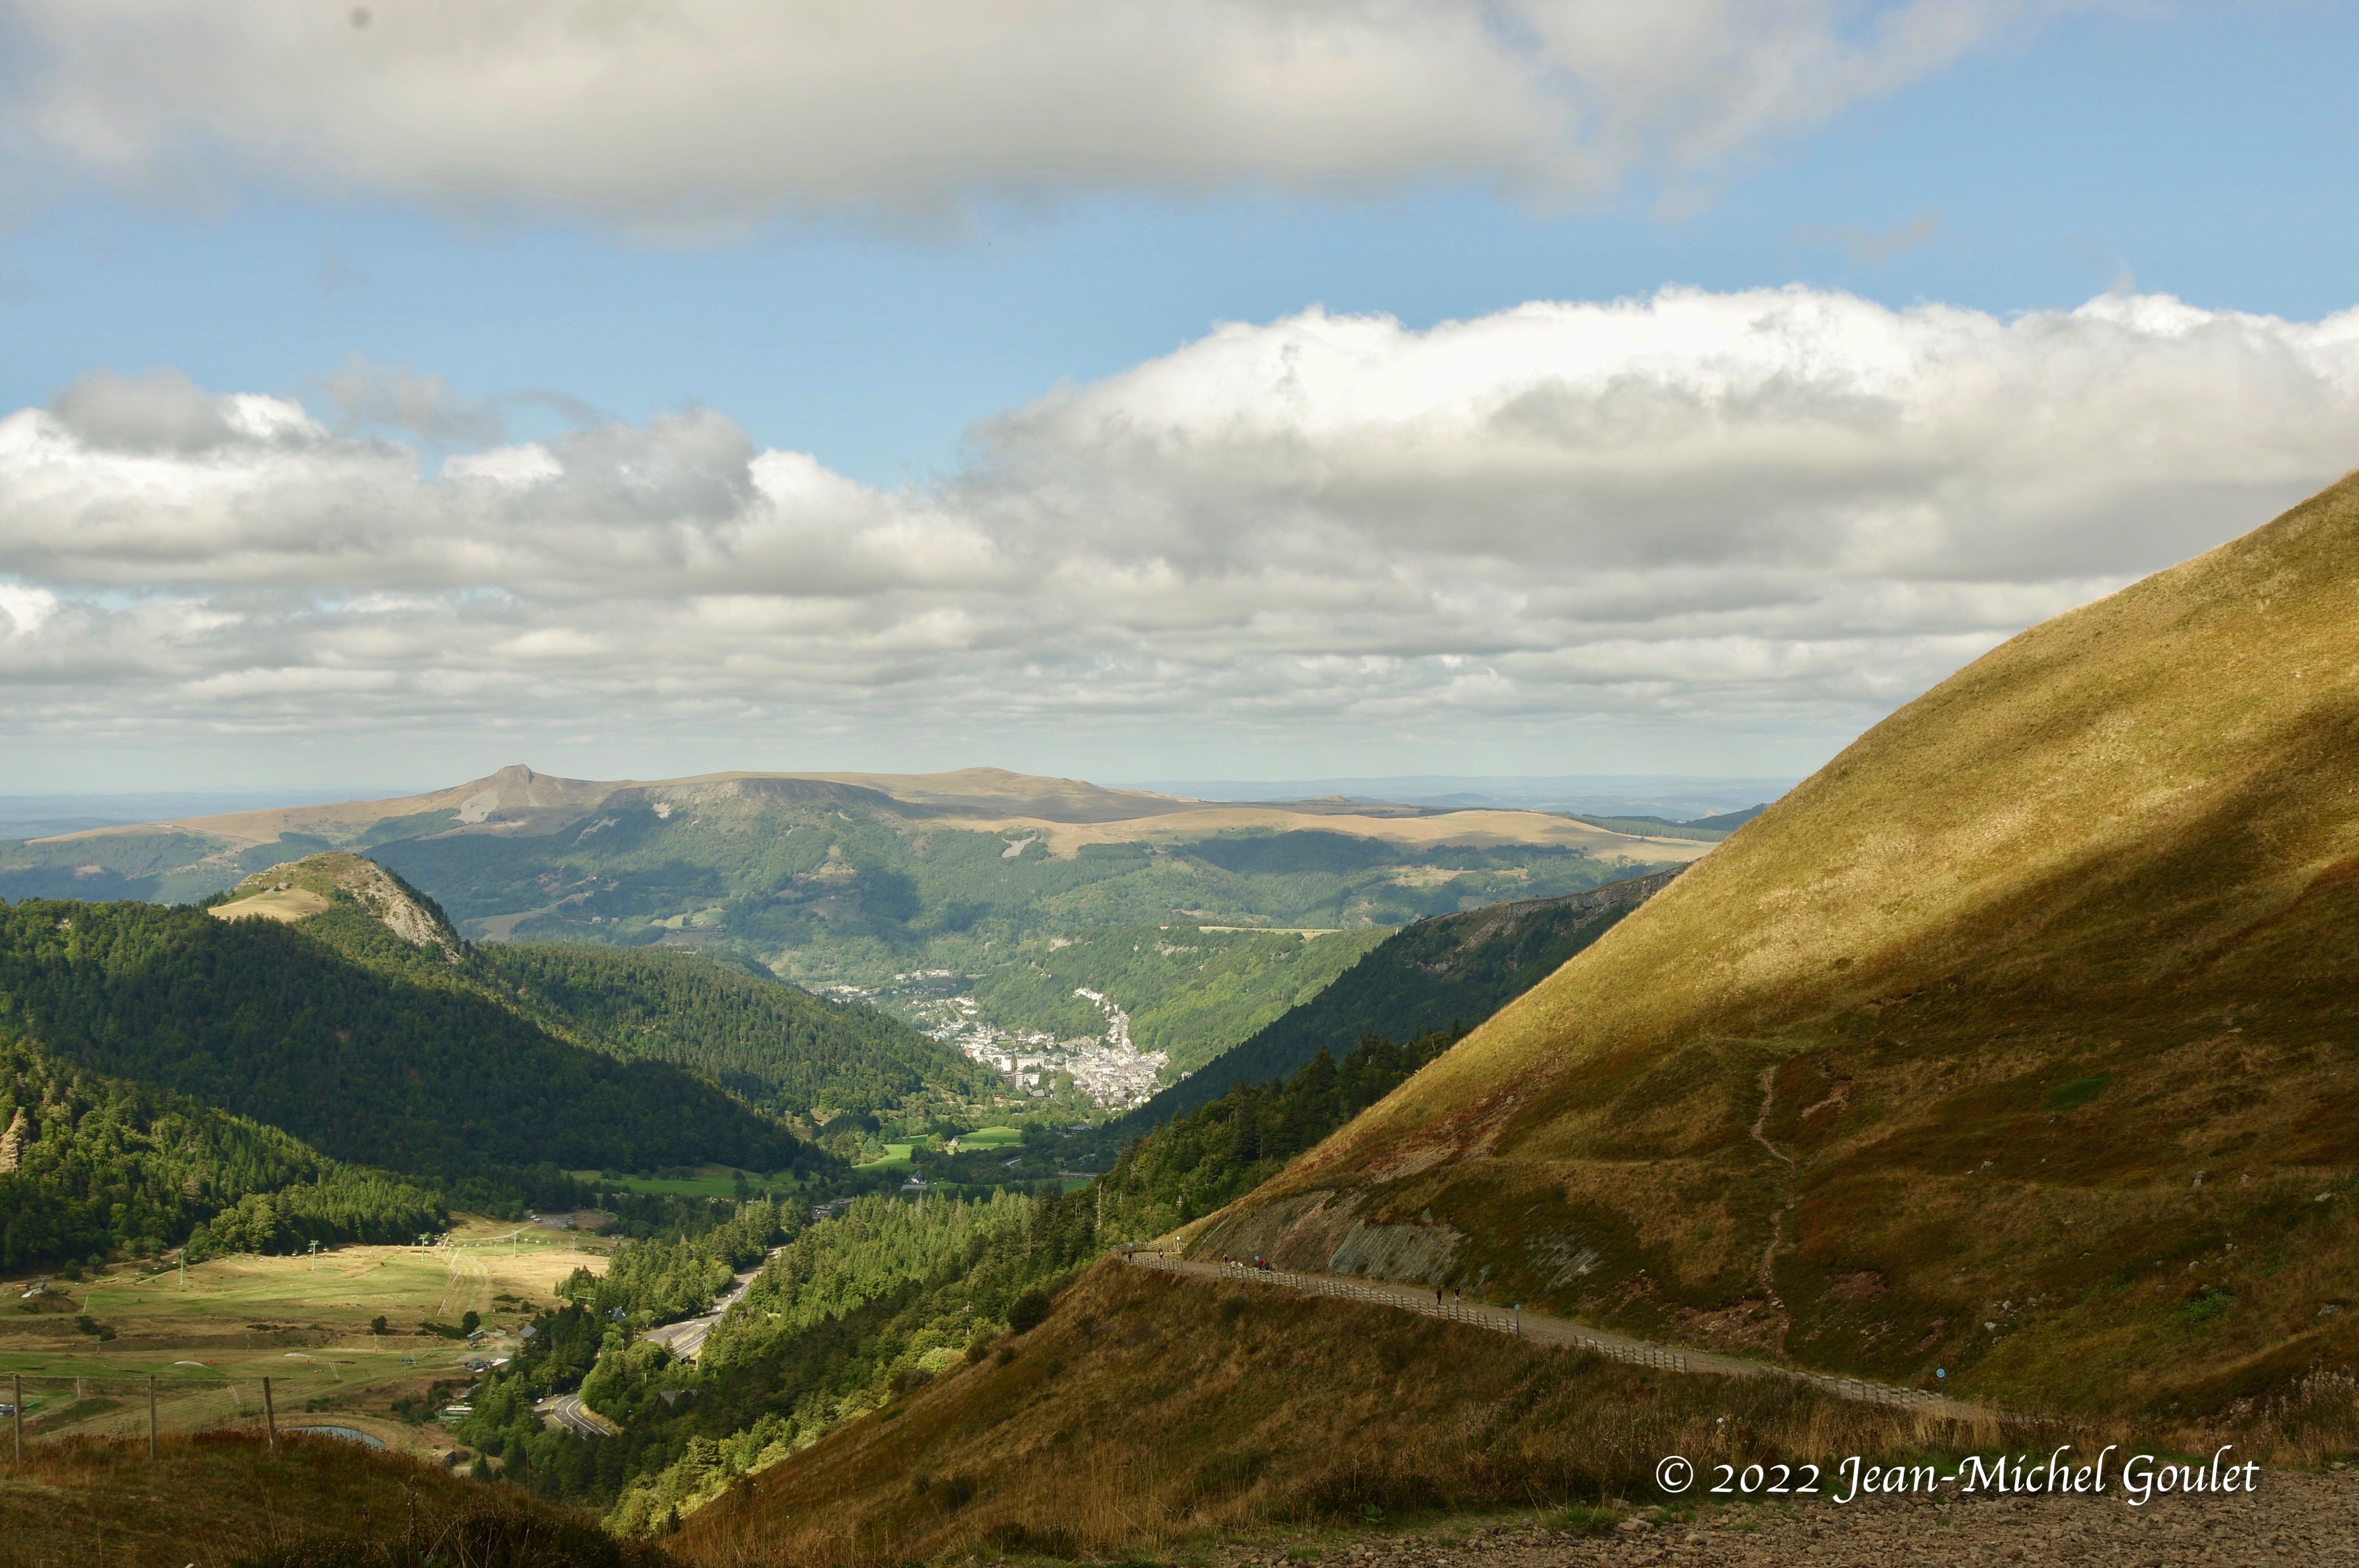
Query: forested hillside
[
  {"x": 783, "y": 1049},
  {"x": 718, "y": 1014},
  {"x": 413, "y": 1071},
  {"x": 855, "y": 1312},
  {"x": 1202, "y": 1159},
  {"x": 90, "y": 1165},
  {"x": 1448, "y": 973}
]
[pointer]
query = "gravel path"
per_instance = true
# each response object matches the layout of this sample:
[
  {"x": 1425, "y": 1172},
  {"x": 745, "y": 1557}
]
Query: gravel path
[
  {"x": 2298, "y": 1521},
  {"x": 1549, "y": 1330}
]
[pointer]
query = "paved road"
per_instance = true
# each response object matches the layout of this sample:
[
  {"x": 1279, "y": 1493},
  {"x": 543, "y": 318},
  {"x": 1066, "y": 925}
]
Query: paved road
[
  {"x": 687, "y": 1336},
  {"x": 568, "y": 1411},
  {"x": 1557, "y": 1330}
]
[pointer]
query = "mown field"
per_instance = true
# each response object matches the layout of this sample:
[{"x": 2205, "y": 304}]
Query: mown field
[{"x": 303, "y": 1321}]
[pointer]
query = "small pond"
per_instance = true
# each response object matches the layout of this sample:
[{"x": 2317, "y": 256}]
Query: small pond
[{"x": 350, "y": 1434}]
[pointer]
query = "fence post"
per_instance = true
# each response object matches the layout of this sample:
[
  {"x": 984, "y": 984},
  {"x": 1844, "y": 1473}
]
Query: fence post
[
  {"x": 270, "y": 1418},
  {"x": 151, "y": 1415},
  {"x": 18, "y": 1407}
]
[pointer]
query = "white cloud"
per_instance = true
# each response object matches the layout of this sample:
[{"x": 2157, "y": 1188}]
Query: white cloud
[
  {"x": 692, "y": 112},
  {"x": 1778, "y": 512}
]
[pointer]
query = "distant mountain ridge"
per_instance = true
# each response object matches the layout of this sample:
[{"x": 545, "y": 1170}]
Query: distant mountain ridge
[{"x": 189, "y": 857}]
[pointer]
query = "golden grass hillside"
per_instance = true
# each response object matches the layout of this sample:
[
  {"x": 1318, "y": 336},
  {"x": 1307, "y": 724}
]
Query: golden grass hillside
[
  {"x": 1065, "y": 814},
  {"x": 220, "y": 1501},
  {"x": 2020, "y": 1041},
  {"x": 1151, "y": 1409}
]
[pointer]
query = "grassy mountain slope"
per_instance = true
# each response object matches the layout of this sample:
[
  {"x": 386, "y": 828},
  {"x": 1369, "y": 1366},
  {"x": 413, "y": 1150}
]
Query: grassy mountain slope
[
  {"x": 221, "y": 1498},
  {"x": 2020, "y": 1039},
  {"x": 1148, "y": 1410},
  {"x": 397, "y": 1064},
  {"x": 90, "y": 1165},
  {"x": 1450, "y": 972}
]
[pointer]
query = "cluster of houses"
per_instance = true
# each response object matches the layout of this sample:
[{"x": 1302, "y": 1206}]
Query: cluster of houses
[{"x": 1108, "y": 1068}]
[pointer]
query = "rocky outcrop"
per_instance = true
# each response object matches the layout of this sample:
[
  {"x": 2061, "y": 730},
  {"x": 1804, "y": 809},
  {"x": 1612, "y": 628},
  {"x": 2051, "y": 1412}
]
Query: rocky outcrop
[
  {"x": 13, "y": 1142},
  {"x": 1324, "y": 1233}
]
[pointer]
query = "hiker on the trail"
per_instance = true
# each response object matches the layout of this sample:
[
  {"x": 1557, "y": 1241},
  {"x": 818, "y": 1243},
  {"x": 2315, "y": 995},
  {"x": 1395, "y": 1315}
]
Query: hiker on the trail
[{"x": 1436, "y": 1295}]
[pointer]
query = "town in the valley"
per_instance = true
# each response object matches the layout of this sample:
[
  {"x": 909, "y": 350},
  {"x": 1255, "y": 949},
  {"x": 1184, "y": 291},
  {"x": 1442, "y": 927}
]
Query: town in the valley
[{"x": 1108, "y": 1070}]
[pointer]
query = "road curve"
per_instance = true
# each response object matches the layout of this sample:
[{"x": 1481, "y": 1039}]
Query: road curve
[
  {"x": 687, "y": 1336},
  {"x": 568, "y": 1411}
]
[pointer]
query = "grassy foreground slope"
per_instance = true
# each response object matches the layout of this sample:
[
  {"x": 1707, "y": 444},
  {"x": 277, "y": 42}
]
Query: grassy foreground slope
[
  {"x": 219, "y": 1499},
  {"x": 1151, "y": 1409},
  {"x": 2020, "y": 1039}
]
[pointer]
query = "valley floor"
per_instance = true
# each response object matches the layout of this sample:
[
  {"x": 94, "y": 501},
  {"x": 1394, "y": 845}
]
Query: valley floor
[{"x": 209, "y": 1337}]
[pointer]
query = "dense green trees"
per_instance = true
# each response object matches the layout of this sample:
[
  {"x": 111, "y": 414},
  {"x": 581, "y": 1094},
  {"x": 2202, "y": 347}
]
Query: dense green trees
[
  {"x": 1195, "y": 1164},
  {"x": 780, "y": 1048},
  {"x": 666, "y": 1278},
  {"x": 100, "y": 1165},
  {"x": 411, "y": 1068},
  {"x": 853, "y": 1311}
]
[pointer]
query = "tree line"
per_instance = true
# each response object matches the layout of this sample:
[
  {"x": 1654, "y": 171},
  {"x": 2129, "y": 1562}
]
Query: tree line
[{"x": 102, "y": 1166}]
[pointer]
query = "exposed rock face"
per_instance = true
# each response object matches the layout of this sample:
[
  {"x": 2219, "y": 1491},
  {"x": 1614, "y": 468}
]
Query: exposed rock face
[
  {"x": 1324, "y": 1232},
  {"x": 379, "y": 891},
  {"x": 13, "y": 1142},
  {"x": 402, "y": 914}
]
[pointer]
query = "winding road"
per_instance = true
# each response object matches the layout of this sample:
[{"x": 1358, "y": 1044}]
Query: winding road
[
  {"x": 687, "y": 1336},
  {"x": 683, "y": 1339}
]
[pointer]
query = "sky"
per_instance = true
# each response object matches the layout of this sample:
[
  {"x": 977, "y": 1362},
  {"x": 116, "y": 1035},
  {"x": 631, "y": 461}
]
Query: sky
[{"x": 1183, "y": 389}]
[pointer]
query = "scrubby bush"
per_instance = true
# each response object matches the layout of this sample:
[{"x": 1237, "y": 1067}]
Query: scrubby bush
[{"x": 1028, "y": 1311}]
